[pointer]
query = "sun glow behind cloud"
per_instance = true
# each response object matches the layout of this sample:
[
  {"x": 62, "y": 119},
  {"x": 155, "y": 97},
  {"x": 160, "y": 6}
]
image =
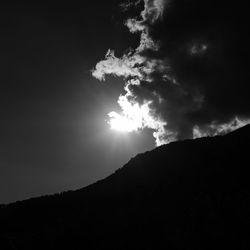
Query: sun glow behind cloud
[
  {"x": 128, "y": 122},
  {"x": 132, "y": 118},
  {"x": 135, "y": 117},
  {"x": 121, "y": 123}
]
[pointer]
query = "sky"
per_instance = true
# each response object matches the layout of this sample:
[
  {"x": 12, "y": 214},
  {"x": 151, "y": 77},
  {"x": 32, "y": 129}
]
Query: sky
[{"x": 85, "y": 86}]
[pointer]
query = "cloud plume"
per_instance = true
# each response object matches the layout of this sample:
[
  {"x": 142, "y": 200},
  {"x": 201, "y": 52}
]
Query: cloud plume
[{"x": 190, "y": 69}]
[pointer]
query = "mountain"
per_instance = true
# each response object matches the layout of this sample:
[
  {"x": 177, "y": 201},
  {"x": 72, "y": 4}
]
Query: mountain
[{"x": 192, "y": 194}]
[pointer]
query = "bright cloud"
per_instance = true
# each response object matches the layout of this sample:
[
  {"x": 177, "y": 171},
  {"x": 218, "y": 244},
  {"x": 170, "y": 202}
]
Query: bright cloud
[
  {"x": 125, "y": 66},
  {"x": 134, "y": 117}
]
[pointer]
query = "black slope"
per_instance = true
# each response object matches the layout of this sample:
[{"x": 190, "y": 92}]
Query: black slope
[{"x": 192, "y": 194}]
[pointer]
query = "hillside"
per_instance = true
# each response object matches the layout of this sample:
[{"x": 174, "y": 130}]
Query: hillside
[{"x": 192, "y": 194}]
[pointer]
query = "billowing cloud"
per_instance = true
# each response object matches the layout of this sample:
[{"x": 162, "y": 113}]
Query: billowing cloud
[
  {"x": 127, "y": 66},
  {"x": 189, "y": 71}
]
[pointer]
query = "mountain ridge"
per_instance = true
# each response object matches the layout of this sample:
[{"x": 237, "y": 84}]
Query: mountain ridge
[{"x": 191, "y": 194}]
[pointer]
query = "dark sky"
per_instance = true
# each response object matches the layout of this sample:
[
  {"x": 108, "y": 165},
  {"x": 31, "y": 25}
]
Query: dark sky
[
  {"x": 186, "y": 61},
  {"x": 53, "y": 132}
]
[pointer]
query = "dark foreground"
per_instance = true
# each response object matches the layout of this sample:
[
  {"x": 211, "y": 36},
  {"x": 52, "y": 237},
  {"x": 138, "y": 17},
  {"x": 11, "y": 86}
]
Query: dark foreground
[{"x": 192, "y": 195}]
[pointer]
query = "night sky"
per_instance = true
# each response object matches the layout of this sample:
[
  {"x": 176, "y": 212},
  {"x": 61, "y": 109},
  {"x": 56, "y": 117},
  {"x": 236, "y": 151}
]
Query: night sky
[{"x": 185, "y": 61}]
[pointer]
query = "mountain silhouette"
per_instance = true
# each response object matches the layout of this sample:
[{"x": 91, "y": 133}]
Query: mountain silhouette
[{"x": 192, "y": 194}]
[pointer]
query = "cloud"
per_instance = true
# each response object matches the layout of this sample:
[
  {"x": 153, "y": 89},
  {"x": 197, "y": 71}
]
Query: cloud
[
  {"x": 127, "y": 66},
  {"x": 125, "y": 6},
  {"x": 153, "y": 10},
  {"x": 190, "y": 68},
  {"x": 198, "y": 49},
  {"x": 214, "y": 129}
]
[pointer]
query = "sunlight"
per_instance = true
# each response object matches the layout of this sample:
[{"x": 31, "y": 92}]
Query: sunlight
[
  {"x": 131, "y": 119},
  {"x": 135, "y": 117},
  {"x": 122, "y": 123}
]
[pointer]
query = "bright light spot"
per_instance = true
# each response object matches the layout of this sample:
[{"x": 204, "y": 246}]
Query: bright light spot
[
  {"x": 122, "y": 123},
  {"x": 132, "y": 117}
]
